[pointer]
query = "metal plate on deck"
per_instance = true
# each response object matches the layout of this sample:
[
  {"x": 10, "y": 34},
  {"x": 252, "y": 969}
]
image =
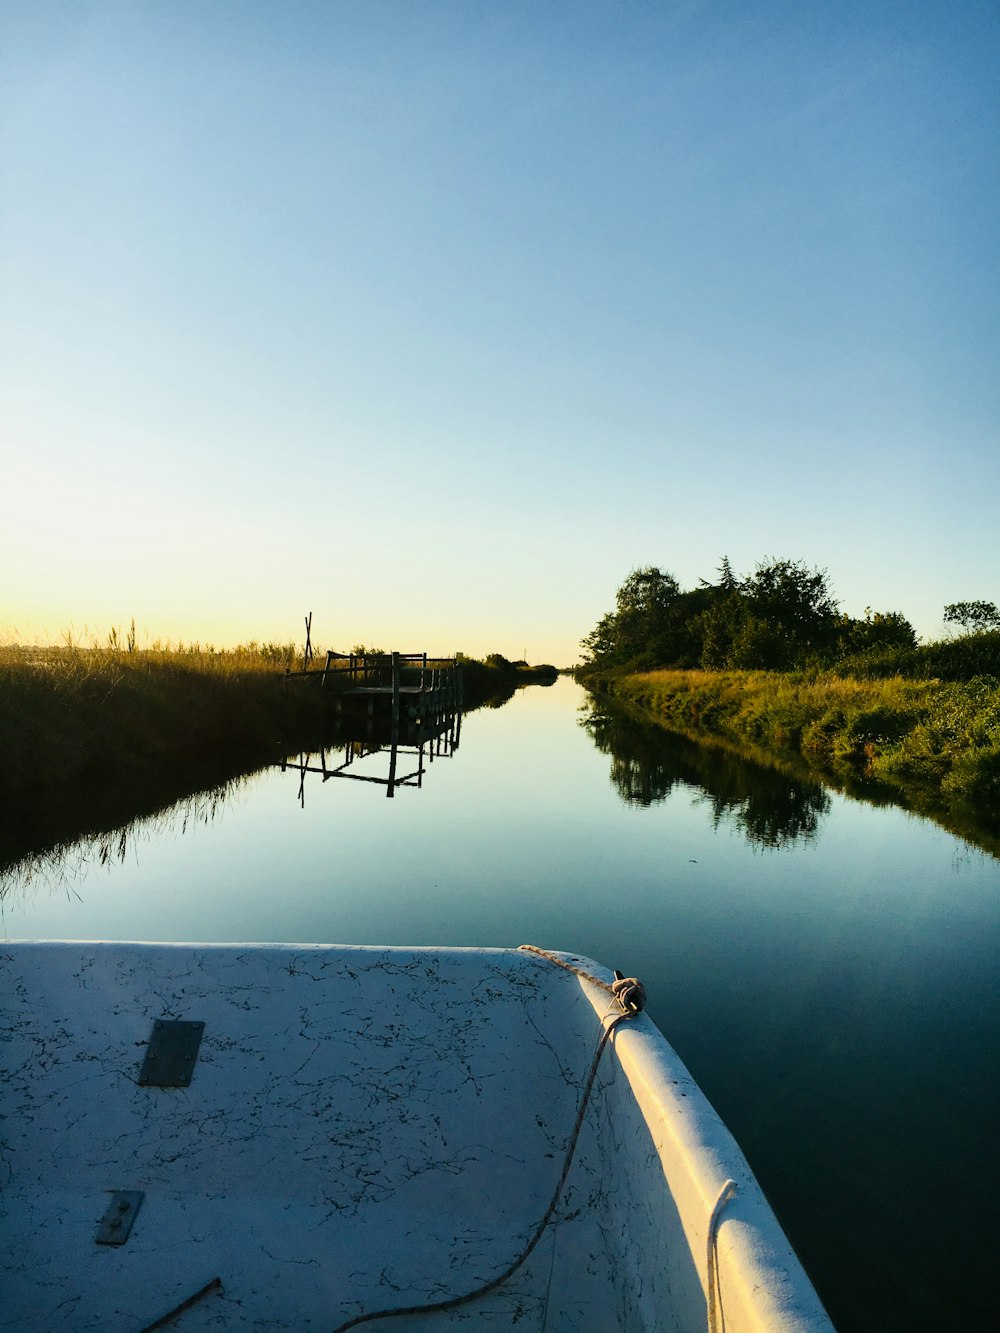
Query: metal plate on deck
[
  {"x": 117, "y": 1222},
  {"x": 172, "y": 1051}
]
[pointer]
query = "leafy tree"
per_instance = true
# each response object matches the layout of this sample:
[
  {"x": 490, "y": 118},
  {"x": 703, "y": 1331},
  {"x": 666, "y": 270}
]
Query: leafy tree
[
  {"x": 781, "y": 616},
  {"x": 728, "y": 581},
  {"x": 644, "y": 604},
  {"x": 792, "y": 613},
  {"x": 878, "y": 631},
  {"x": 601, "y": 643},
  {"x": 687, "y": 629},
  {"x": 641, "y": 629},
  {"x": 721, "y": 625},
  {"x": 760, "y": 644},
  {"x": 974, "y": 617}
]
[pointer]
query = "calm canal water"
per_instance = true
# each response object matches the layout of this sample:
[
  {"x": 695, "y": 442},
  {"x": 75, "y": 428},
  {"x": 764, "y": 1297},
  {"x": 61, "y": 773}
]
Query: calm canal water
[{"x": 828, "y": 970}]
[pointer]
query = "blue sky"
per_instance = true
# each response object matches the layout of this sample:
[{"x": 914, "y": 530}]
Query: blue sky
[{"x": 438, "y": 318}]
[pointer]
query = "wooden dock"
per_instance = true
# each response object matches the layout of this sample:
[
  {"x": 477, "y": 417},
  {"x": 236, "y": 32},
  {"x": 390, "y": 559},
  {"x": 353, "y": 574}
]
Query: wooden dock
[
  {"x": 394, "y": 702},
  {"x": 410, "y": 684}
]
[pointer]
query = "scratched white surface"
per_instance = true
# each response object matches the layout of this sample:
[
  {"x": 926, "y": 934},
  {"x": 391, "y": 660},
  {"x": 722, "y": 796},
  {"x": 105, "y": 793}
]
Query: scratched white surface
[{"x": 365, "y": 1128}]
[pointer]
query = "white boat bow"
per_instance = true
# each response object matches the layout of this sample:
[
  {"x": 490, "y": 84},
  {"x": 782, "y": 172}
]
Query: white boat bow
[{"x": 362, "y": 1131}]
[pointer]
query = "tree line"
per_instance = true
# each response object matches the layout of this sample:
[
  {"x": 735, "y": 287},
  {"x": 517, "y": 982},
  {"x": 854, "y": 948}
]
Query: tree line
[{"x": 781, "y": 617}]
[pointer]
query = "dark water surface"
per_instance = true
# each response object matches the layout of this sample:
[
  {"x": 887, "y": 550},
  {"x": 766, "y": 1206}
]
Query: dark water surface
[{"x": 828, "y": 970}]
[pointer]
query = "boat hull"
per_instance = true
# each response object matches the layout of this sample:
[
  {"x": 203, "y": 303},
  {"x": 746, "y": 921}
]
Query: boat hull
[{"x": 364, "y": 1129}]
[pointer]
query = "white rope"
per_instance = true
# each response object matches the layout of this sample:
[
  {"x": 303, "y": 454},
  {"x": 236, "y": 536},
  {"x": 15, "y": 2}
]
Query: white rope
[
  {"x": 568, "y": 967},
  {"x": 629, "y": 992},
  {"x": 714, "y": 1288}
]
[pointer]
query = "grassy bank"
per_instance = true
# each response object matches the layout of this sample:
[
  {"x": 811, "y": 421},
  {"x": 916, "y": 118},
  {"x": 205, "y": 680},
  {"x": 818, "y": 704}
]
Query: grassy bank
[
  {"x": 935, "y": 743},
  {"x": 73, "y": 714},
  {"x": 93, "y": 737}
]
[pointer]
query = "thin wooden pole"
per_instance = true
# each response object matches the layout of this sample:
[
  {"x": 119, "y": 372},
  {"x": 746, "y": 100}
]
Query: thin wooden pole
[{"x": 307, "y": 656}]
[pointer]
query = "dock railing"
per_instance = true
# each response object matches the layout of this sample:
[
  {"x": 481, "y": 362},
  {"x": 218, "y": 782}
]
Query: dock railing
[
  {"x": 429, "y": 687},
  {"x": 395, "y": 674}
]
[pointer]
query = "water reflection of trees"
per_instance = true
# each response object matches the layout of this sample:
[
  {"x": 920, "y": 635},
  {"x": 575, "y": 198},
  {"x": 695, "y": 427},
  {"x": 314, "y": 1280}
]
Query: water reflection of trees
[{"x": 772, "y": 808}]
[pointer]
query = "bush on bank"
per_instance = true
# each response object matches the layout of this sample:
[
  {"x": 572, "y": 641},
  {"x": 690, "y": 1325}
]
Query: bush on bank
[{"x": 961, "y": 658}]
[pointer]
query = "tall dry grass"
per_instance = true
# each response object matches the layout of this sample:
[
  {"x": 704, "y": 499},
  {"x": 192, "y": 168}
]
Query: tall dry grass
[{"x": 76, "y": 712}]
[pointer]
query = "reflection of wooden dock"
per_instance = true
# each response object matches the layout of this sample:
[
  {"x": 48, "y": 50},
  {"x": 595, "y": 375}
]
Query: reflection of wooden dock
[{"x": 424, "y": 740}]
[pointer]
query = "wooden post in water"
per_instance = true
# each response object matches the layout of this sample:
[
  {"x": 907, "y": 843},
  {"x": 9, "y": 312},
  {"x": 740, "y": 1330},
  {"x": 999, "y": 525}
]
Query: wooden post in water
[
  {"x": 394, "y": 734},
  {"x": 396, "y": 680}
]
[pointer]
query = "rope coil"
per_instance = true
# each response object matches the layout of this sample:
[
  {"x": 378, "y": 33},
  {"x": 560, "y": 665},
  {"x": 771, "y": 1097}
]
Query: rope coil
[{"x": 628, "y": 991}]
